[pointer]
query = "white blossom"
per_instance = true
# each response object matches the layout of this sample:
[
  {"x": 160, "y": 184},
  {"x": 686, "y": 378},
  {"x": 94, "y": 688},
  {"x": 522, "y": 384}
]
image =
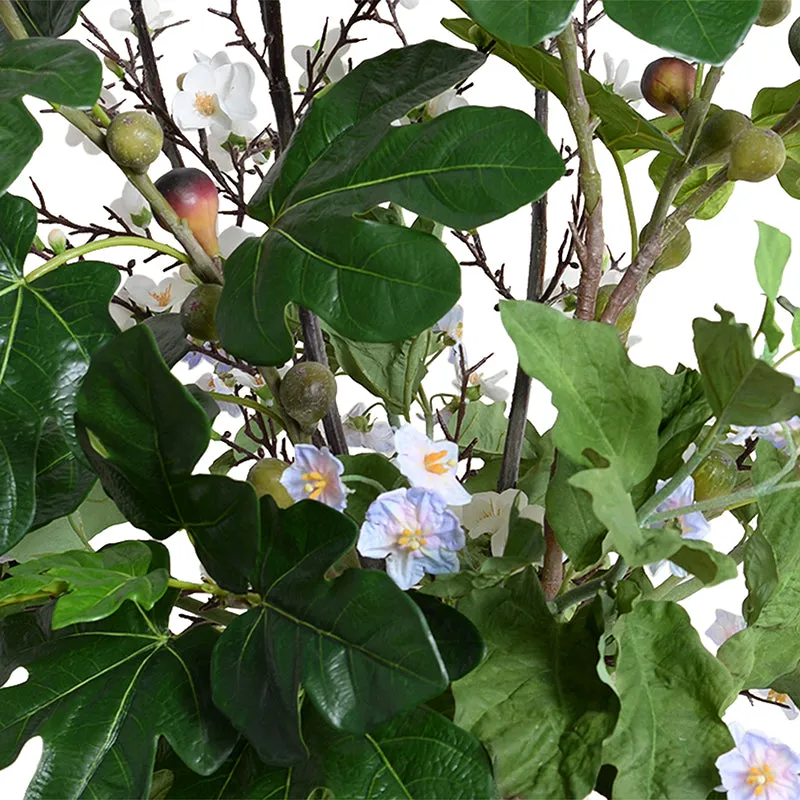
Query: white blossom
[
  {"x": 615, "y": 80},
  {"x": 168, "y": 294},
  {"x": 133, "y": 208},
  {"x": 444, "y": 102},
  {"x": 725, "y": 625},
  {"x": 361, "y": 431},
  {"x": 122, "y": 19},
  {"x": 231, "y": 238},
  {"x": 211, "y": 382},
  {"x": 315, "y": 475},
  {"x": 74, "y": 137},
  {"x": 336, "y": 70}
]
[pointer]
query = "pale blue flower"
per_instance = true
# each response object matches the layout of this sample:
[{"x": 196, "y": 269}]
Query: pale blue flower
[
  {"x": 413, "y": 530},
  {"x": 209, "y": 382},
  {"x": 315, "y": 475},
  {"x": 775, "y": 433},
  {"x": 725, "y": 625}
]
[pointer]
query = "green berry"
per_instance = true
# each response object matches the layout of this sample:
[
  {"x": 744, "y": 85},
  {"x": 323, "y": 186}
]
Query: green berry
[
  {"x": 715, "y": 477},
  {"x": 717, "y": 137},
  {"x": 197, "y": 312},
  {"x": 134, "y": 140},
  {"x": 674, "y": 254},
  {"x": 265, "y": 476},
  {"x": 756, "y": 155},
  {"x": 307, "y": 392},
  {"x": 794, "y": 40},
  {"x": 773, "y": 12}
]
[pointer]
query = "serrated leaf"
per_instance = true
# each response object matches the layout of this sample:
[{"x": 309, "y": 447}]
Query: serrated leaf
[
  {"x": 703, "y": 30},
  {"x": 525, "y": 22},
  {"x": 49, "y": 329},
  {"x": 358, "y": 668}
]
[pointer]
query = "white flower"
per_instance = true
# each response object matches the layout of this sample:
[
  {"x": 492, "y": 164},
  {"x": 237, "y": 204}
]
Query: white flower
[
  {"x": 336, "y": 69},
  {"x": 724, "y": 626},
  {"x": 481, "y": 386},
  {"x": 774, "y": 433},
  {"x": 209, "y": 382},
  {"x": 315, "y": 475},
  {"x": 413, "y": 530},
  {"x": 759, "y": 768},
  {"x": 785, "y": 703},
  {"x": 133, "y": 208},
  {"x": 167, "y": 294},
  {"x": 122, "y": 19},
  {"x": 409, "y": 3},
  {"x": 452, "y": 325},
  {"x": 238, "y": 376},
  {"x": 230, "y": 239},
  {"x": 446, "y": 101},
  {"x": 239, "y": 135},
  {"x": 490, "y": 512},
  {"x": 75, "y": 138},
  {"x": 615, "y": 80},
  {"x": 122, "y": 316},
  {"x": 431, "y": 465},
  {"x": 360, "y": 431},
  {"x": 215, "y": 96}
]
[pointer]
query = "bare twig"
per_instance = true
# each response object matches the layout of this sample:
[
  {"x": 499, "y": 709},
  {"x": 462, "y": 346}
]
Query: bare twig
[{"x": 473, "y": 242}]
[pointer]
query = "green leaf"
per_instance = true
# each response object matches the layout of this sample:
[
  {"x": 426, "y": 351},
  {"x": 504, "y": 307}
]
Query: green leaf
[
  {"x": 592, "y": 380},
  {"x": 535, "y": 701},
  {"x": 703, "y": 30},
  {"x": 46, "y": 18},
  {"x": 152, "y": 433},
  {"x": 697, "y": 178},
  {"x": 49, "y": 328},
  {"x": 63, "y": 72},
  {"x": 796, "y": 329},
  {"x": 789, "y": 177},
  {"x": 487, "y": 423},
  {"x": 760, "y": 573},
  {"x": 96, "y": 583},
  {"x": 358, "y": 668},
  {"x": 20, "y": 136},
  {"x": 524, "y": 22},
  {"x": 375, "y": 469},
  {"x": 347, "y": 158},
  {"x": 772, "y": 255},
  {"x": 672, "y": 693},
  {"x": 741, "y": 389},
  {"x": 167, "y": 330},
  {"x": 621, "y": 128},
  {"x": 100, "y": 696},
  {"x": 771, "y": 103}
]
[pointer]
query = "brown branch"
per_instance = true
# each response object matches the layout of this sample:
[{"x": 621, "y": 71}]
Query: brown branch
[{"x": 475, "y": 246}]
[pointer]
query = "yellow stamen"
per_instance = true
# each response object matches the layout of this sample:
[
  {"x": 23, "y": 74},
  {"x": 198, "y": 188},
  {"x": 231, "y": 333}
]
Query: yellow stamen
[
  {"x": 205, "y": 104},
  {"x": 163, "y": 299},
  {"x": 777, "y": 697},
  {"x": 411, "y": 540},
  {"x": 315, "y": 486},
  {"x": 760, "y": 777},
  {"x": 433, "y": 462}
]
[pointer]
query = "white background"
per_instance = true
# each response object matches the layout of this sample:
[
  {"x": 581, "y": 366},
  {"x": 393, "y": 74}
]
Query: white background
[{"x": 720, "y": 269}]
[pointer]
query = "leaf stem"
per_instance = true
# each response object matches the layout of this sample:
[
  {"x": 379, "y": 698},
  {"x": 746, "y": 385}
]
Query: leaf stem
[
  {"x": 11, "y": 21},
  {"x": 246, "y": 402},
  {"x": 216, "y": 615},
  {"x": 427, "y": 411},
  {"x": 626, "y": 192}
]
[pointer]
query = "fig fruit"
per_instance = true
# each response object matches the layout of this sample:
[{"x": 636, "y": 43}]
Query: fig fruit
[
  {"x": 195, "y": 199},
  {"x": 625, "y": 319},
  {"x": 716, "y": 476},
  {"x": 307, "y": 391},
  {"x": 773, "y": 12},
  {"x": 794, "y": 40},
  {"x": 674, "y": 254},
  {"x": 756, "y": 155},
  {"x": 265, "y": 476},
  {"x": 717, "y": 136},
  {"x": 134, "y": 140},
  {"x": 668, "y": 85},
  {"x": 197, "y": 312}
]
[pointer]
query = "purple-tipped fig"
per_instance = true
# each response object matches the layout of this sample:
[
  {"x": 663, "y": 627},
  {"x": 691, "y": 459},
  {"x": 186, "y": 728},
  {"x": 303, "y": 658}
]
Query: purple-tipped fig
[
  {"x": 668, "y": 85},
  {"x": 195, "y": 199}
]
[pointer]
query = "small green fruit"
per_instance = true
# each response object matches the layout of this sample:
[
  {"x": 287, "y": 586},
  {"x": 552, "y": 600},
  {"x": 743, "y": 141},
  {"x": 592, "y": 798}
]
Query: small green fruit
[
  {"x": 794, "y": 40},
  {"x": 773, "y": 12},
  {"x": 668, "y": 85},
  {"x": 197, "y": 312},
  {"x": 756, "y": 155},
  {"x": 719, "y": 133},
  {"x": 674, "y": 254},
  {"x": 265, "y": 476},
  {"x": 625, "y": 319},
  {"x": 307, "y": 391},
  {"x": 134, "y": 140},
  {"x": 715, "y": 477}
]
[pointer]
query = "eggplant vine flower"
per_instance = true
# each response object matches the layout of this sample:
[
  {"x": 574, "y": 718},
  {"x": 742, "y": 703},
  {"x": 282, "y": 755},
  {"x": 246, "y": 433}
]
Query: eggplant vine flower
[
  {"x": 158, "y": 297},
  {"x": 409, "y": 3},
  {"x": 211, "y": 382},
  {"x": 315, "y": 475},
  {"x": 775, "y": 433},
  {"x": 336, "y": 70},
  {"x": 725, "y": 625},
  {"x": 430, "y": 465},
  {"x": 414, "y": 531},
  {"x": 478, "y": 386},
  {"x": 444, "y": 102},
  {"x": 615, "y": 80},
  {"x": 759, "y": 768},
  {"x": 361, "y": 431},
  {"x": 122, "y": 19},
  {"x": 782, "y": 700}
]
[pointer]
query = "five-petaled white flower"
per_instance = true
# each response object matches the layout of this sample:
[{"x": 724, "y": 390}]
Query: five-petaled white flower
[
  {"x": 120, "y": 314},
  {"x": 211, "y": 382},
  {"x": 615, "y": 80},
  {"x": 133, "y": 208},
  {"x": 759, "y": 768},
  {"x": 315, "y": 475},
  {"x": 725, "y": 625},
  {"x": 490, "y": 512},
  {"x": 478, "y": 386},
  {"x": 167, "y": 294},
  {"x": 336, "y": 69},
  {"x": 239, "y": 377},
  {"x": 361, "y": 431},
  {"x": 215, "y": 93},
  {"x": 122, "y": 19},
  {"x": 444, "y": 102},
  {"x": 415, "y": 532},
  {"x": 431, "y": 465},
  {"x": 238, "y": 135}
]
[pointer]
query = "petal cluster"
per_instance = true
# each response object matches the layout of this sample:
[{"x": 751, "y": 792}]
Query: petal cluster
[
  {"x": 315, "y": 475},
  {"x": 490, "y": 513}
]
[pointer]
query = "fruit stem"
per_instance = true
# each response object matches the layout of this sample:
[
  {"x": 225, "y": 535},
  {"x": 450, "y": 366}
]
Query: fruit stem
[
  {"x": 272, "y": 378},
  {"x": 11, "y": 21},
  {"x": 197, "y": 607},
  {"x": 626, "y": 192},
  {"x": 246, "y": 402}
]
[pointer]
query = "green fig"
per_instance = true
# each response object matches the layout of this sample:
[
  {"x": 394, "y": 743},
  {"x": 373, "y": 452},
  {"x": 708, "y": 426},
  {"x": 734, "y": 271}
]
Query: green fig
[
  {"x": 674, "y": 254},
  {"x": 197, "y": 312},
  {"x": 756, "y": 155},
  {"x": 625, "y": 319},
  {"x": 717, "y": 136},
  {"x": 134, "y": 140},
  {"x": 794, "y": 40},
  {"x": 265, "y": 476},
  {"x": 195, "y": 199},
  {"x": 307, "y": 391},
  {"x": 716, "y": 476},
  {"x": 773, "y": 12},
  {"x": 668, "y": 85}
]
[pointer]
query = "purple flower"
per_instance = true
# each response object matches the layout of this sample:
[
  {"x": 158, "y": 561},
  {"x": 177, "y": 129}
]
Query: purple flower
[{"x": 315, "y": 475}]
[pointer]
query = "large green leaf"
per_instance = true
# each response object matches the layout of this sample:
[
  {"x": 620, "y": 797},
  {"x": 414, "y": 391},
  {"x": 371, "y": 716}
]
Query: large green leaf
[
  {"x": 20, "y": 135},
  {"x": 463, "y": 169},
  {"x": 741, "y": 389},
  {"x": 49, "y": 329},
  {"x": 523, "y": 22},
  {"x": 91, "y": 585},
  {"x": 704, "y": 30},
  {"x": 146, "y": 435},
  {"x": 698, "y": 177},
  {"x": 46, "y": 17},
  {"x": 772, "y": 255},
  {"x": 621, "y": 126},
  {"x": 672, "y": 693},
  {"x": 488, "y": 424},
  {"x": 62, "y": 72},
  {"x": 100, "y": 696},
  {"x": 535, "y": 701},
  {"x": 358, "y": 646}
]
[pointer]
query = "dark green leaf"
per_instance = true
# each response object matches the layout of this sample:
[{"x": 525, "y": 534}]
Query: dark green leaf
[
  {"x": 20, "y": 135},
  {"x": 741, "y": 389},
  {"x": 63, "y": 72},
  {"x": 358, "y": 668},
  {"x": 535, "y": 701},
  {"x": 672, "y": 693},
  {"x": 151, "y": 433},
  {"x": 49, "y": 328},
  {"x": 760, "y": 573},
  {"x": 704, "y": 30},
  {"x": 376, "y": 469},
  {"x": 100, "y": 695},
  {"x": 170, "y": 337},
  {"x": 772, "y": 103},
  {"x": 46, "y": 17},
  {"x": 524, "y": 22},
  {"x": 698, "y": 177},
  {"x": 488, "y": 424}
]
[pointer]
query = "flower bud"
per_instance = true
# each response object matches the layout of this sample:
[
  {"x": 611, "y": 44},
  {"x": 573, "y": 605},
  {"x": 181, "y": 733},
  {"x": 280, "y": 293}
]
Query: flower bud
[
  {"x": 668, "y": 85},
  {"x": 57, "y": 240}
]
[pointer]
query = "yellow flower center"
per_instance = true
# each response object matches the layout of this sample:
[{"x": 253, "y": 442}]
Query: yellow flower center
[
  {"x": 777, "y": 697},
  {"x": 474, "y": 379},
  {"x": 205, "y": 104},
  {"x": 315, "y": 484},
  {"x": 163, "y": 299},
  {"x": 412, "y": 540},
  {"x": 760, "y": 777},
  {"x": 433, "y": 462}
]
